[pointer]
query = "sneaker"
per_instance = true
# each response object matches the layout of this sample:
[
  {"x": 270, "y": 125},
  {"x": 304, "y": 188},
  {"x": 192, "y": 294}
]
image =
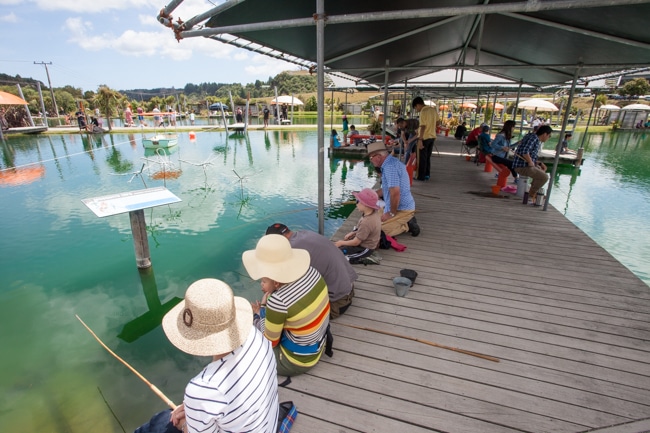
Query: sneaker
[{"x": 414, "y": 228}]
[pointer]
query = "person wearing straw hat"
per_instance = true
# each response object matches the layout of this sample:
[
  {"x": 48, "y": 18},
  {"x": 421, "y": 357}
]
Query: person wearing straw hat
[
  {"x": 399, "y": 211},
  {"x": 294, "y": 312},
  {"x": 238, "y": 390},
  {"x": 339, "y": 275},
  {"x": 364, "y": 238}
]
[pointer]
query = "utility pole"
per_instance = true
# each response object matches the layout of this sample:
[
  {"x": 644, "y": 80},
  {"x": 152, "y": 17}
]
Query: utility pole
[{"x": 49, "y": 83}]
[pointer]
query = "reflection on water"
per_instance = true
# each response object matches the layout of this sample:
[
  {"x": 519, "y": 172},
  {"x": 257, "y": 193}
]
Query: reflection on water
[
  {"x": 59, "y": 259},
  {"x": 610, "y": 200}
]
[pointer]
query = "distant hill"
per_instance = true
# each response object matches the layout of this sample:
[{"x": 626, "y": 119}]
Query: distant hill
[{"x": 8, "y": 79}]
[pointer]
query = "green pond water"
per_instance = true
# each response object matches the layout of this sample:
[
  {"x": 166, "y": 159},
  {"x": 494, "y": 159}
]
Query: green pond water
[{"x": 59, "y": 259}]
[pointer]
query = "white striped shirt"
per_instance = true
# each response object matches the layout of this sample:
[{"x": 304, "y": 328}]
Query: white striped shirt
[{"x": 237, "y": 393}]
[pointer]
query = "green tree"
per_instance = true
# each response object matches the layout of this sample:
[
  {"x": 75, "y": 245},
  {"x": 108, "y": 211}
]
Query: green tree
[
  {"x": 107, "y": 99},
  {"x": 636, "y": 87},
  {"x": 601, "y": 99}
]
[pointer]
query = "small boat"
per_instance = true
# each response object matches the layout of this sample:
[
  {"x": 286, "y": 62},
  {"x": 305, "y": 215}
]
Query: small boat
[{"x": 160, "y": 141}]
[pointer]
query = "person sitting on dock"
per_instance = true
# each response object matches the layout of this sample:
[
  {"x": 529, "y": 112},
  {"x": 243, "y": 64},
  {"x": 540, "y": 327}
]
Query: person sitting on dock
[
  {"x": 295, "y": 307},
  {"x": 500, "y": 146},
  {"x": 238, "y": 389},
  {"x": 334, "y": 140},
  {"x": 353, "y": 132},
  {"x": 565, "y": 142},
  {"x": 399, "y": 212},
  {"x": 364, "y": 238},
  {"x": 328, "y": 261},
  {"x": 525, "y": 162},
  {"x": 460, "y": 131}
]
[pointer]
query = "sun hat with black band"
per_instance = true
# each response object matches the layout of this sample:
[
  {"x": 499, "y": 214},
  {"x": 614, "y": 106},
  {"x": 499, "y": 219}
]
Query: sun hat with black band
[
  {"x": 274, "y": 258},
  {"x": 210, "y": 320}
]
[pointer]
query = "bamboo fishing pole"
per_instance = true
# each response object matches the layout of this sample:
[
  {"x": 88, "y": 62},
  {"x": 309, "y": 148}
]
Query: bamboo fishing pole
[
  {"x": 151, "y": 385},
  {"x": 419, "y": 340}
]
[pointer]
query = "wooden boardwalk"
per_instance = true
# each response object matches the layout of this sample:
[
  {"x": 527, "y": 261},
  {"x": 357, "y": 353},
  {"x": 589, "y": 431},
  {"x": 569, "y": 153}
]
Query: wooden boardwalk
[{"x": 569, "y": 324}]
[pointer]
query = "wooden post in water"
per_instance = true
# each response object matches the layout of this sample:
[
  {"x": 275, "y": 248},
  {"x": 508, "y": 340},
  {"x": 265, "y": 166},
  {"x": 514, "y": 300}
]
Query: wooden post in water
[
  {"x": 140, "y": 240},
  {"x": 579, "y": 153}
]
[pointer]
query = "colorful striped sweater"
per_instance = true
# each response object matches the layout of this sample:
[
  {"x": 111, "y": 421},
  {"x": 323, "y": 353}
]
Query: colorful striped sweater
[{"x": 297, "y": 316}]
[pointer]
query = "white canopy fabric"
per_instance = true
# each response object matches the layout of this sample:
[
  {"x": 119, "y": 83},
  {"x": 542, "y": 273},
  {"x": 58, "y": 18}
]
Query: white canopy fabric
[
  {"x": 287, "y": 99},
  {"x": 610, "y": 107},
  {"x": 637, "y": 107},
  {"x": 539, "y": 104}
]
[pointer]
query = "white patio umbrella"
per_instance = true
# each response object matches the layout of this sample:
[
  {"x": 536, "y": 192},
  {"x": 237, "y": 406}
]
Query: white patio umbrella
[
  {"x": 287, "y": 99},
  {"x": 430, "y": 103},
  {"x": 637, "y": 107},
  {"x": 539, "y": 104},
  {"x": 610, "y": 107}
]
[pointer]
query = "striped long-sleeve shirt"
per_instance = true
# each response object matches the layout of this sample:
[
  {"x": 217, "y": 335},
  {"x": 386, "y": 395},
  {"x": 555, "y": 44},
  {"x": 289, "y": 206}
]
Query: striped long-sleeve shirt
[
  {"x": 237, "y": 393},
  {"x": 297, "y": 316}
]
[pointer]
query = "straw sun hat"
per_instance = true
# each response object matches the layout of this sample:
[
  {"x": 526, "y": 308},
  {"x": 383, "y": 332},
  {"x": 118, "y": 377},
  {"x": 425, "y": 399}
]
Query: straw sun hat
[
  {"x": 275, "y": 259},
  {"x": 210, "y": 320},
  {"x": 375, "y": 147}
]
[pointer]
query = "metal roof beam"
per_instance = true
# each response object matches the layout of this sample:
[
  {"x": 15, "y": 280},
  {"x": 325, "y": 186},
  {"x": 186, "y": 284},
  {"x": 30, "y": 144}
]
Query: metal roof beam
[
  {"x": 578, "y": 30},
  {"x": 394, "y": 38},
  {"x": 501, "y": 8}
]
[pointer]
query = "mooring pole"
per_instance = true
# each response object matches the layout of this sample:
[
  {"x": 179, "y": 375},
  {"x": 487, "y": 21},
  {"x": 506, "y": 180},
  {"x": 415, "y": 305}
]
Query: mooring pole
[{"x": 140, "y": 240}]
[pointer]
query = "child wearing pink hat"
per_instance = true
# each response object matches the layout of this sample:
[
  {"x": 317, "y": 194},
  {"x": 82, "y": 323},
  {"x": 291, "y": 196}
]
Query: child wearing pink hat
[{"x": 364, "y": 238}]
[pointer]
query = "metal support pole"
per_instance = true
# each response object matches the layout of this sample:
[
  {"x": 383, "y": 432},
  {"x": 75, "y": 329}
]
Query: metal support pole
[
  {"x": 29, "y": 114},
  {"x": 558, "y": 147},
  {"x": 49, "y": 83},
  {"x": 320, "y": 73},
  {"x": 386, "y": 111},
  {"x": 514, "y": 114}
]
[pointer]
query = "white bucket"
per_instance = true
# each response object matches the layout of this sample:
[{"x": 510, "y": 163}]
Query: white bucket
[{"x": 522, "y": 186}]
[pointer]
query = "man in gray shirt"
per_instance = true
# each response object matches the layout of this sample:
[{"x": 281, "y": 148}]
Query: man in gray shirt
[{"x": 328, "y": 260}]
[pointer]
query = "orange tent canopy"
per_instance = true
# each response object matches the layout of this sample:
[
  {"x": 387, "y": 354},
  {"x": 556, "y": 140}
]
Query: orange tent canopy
[
  {"x": 11, "y": 99},
  {"x": 497, "y": 106}
]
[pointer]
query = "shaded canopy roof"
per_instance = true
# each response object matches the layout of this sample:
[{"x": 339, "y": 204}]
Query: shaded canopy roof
[{"x": 538, "y": 43}]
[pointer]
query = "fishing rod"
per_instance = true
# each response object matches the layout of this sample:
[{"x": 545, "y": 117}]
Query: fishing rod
[
  {"x": 419, "y": 340},
  {"x": 149, "y": 384}
]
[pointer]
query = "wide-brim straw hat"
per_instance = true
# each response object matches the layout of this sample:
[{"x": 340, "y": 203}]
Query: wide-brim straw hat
[
  {"x": 274, "y": 258},
  {"x": 376, "y": 147},
  {"x": 210, "y": 320}
]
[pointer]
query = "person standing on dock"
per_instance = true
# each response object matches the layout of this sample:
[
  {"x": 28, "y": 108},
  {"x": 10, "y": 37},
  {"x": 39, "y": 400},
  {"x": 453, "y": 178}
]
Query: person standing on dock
[
  {"x": 266, "y": 113},
  {"x": 426, "y": 137},
  {"x": 525, "y": 162},
  {"x": 345, "y": 130},
  {"x": 399, "y": 209}
]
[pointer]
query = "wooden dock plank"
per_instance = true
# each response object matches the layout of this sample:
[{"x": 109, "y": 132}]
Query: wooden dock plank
[{"x": 569, "y": 324}]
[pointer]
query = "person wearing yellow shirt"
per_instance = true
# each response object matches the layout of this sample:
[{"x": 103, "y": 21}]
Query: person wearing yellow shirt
[{"x": 426, "y": 136}]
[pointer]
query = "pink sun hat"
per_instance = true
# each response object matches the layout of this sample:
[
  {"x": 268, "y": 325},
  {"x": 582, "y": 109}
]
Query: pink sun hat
[{"x": 368, "y": 197}]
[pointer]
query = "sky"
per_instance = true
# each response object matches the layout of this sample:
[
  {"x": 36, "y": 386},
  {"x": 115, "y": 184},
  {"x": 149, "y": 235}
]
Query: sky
[{"x": 119, "y": 43}]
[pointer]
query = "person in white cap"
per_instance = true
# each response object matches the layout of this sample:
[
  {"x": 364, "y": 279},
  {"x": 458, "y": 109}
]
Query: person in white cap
[
  {"x": 294, "y": 312},
  {"x": 238, "y": 390},
  {"x": 364, "y": 238}
]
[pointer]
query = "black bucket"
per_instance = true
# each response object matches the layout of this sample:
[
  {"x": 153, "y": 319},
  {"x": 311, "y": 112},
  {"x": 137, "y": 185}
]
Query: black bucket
[{"x": 410, "y": 274}]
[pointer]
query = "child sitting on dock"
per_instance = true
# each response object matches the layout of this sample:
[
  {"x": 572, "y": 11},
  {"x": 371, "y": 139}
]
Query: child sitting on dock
[
  {"x": 364, "y": 238},
  {"x": 334, "y": 140}
]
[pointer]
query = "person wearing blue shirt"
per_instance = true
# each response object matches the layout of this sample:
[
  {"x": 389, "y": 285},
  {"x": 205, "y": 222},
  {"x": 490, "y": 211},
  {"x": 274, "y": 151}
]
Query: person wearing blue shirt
[
  {"x": 399, "y": 210},
  {"x": 501, "y": 145},
  {"x": 525, "y": 162},
  {"x": 334, "y": 140}
]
